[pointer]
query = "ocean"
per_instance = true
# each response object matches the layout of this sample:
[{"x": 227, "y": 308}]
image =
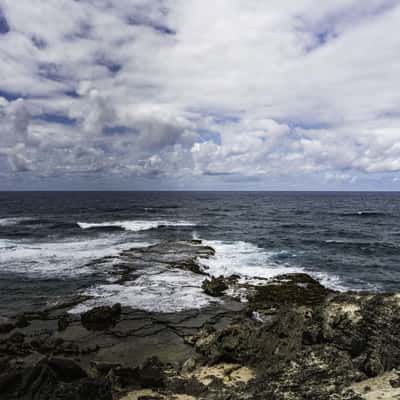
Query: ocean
[{"x": 55, "y": 245}]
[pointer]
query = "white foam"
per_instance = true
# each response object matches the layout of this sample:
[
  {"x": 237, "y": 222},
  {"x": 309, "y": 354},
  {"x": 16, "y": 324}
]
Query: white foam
[
  {"x": 159, "y": 289},
  {"x": 134, "y": 226},
  {"x": 330, "y": 281},
  {"x": 244, "y": 259},
  {"x": 57, "y": 259},
  {"x": 254, "y": 264},
  {"x": 12, "y": 221},
  {"x": 172, "y": 290},
  {"x": 155, "y": 290}
]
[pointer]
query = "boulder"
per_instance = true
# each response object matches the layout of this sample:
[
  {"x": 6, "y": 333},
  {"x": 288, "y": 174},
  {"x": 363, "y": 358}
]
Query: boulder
[
  {"x": 66, "y": 370},
  {"x": 215, "y": 287},
  {"x": 149, "y": 375},
  {"x": 100, "y": 318}
]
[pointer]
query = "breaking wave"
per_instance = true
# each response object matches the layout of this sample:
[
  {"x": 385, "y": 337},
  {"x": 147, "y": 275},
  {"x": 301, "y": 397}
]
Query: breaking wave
[{"x": 134, "y": 226}]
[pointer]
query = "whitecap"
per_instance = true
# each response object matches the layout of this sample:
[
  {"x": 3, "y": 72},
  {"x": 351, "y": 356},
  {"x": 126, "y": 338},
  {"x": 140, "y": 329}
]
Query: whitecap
[
  {"x": 59, "y": 258},
  {"x": 245, "y": 259},
  {"x": 255, "y": 265},
  {"x": 158, "y": 289},
  {"x": 134, "y": 226},
  {"x": 12, "y": 221}
]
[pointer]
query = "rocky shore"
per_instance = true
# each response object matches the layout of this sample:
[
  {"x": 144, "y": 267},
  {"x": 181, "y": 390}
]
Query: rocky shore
[{"x": 288, "y": 338}]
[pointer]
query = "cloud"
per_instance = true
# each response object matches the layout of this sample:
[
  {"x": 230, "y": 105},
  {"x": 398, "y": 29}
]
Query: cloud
[{"x": 210, "y": 93}]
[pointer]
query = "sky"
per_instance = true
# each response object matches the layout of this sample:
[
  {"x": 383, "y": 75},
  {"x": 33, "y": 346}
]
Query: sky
[{"x": 199, "y": 95}]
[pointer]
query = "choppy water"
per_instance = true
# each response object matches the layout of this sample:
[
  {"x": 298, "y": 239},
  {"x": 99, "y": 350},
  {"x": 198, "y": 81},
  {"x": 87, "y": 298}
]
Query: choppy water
[{"x": 49, "y": 240}]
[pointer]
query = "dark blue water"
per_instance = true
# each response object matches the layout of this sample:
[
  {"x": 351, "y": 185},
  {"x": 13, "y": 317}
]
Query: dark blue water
[{"x": 348, "y": 240}]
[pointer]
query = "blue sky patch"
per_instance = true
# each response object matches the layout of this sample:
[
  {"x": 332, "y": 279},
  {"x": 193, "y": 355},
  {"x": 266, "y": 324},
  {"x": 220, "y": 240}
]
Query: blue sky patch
[
  {"x": 4, "y": 26},
  {"x": 56, "y": 119},
  {"x": 209, "y": 136},
  {"x": 72, "y": 93},
  {"x": 119, "y": 130},
  {"x": 10, "y": 96}
]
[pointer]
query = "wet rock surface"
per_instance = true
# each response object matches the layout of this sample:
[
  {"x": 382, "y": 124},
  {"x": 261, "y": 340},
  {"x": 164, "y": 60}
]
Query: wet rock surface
[
  {"x": 293, "y": 339},
  {"x": 215, "y": 286}
]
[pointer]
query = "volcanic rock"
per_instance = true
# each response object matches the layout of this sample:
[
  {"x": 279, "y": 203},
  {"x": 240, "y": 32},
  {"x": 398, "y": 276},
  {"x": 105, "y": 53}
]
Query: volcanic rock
[
  {"x": 101, "y": 317},
  {"x": 215, "y": 286}
]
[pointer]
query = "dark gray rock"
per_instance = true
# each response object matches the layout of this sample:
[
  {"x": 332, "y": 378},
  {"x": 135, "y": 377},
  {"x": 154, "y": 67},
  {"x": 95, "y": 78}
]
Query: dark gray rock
[
  {"x": 101, "y": 317},
  {"x": 6, "y": 325},
  {"x": 215, "y": 286},
  {"x": 149, "y": 375},
  {"x": 52, "y": 379},
  {"x": 301, "y": 340}
]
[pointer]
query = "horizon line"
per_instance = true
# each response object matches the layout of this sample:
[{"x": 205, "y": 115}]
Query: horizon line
[{"x": 195, "y": 190}]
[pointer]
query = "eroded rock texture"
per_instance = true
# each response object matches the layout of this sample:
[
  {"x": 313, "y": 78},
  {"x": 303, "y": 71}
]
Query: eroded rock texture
[{"x": 292, "y": 340}]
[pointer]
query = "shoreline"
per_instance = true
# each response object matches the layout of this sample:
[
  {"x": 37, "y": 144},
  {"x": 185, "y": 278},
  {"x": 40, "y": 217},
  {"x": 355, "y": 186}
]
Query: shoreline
[{"x": 292, "y": 339}]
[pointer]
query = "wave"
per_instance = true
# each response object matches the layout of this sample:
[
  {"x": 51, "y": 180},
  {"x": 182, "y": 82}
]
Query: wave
[
  {"x": 357, "y": 242},
  {"x": 253, "y": 263},
  {"x": 59, "y": 258},
  {"x": 331, "y": 281},
  {"x": 155, "y": 290},
  {"x": 365, "y": 213},
  {"x": 244, "y": 259},
  {"x": 158, "y": 289},
  {"x": 12, "y": 221},
  {"x": 134, "y": 226}
]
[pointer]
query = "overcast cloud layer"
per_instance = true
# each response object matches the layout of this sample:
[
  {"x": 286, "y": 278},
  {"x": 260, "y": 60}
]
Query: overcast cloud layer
[{"x": 200, "y": 94}]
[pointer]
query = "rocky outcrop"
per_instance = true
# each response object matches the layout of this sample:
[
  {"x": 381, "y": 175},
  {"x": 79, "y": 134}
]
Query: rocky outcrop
[
  {"x": 215, "y": 286},
  {"x": 53, "y": 379},
  {"x": 292, "y": 340},
  {"x": 308, "y": 342},
  {"x": 149, "y": 375}
]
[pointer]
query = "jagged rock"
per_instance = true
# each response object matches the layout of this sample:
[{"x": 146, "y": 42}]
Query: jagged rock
[
  {"x": 53, "y": 345},
  {"x": 22, "y": 322},
  {"x": 85, "y": 389},
  {"x": 187, "y": 386},
  {"x": 52, "y": 379},
  {"x": 4, "y": 363},
  {"x": 149, "y": 375},
  {"x": 190, "y": 265},
  {"x": 290, "y": 289},
  {"x": 101, "y": 317},
  {"x": 66, "y": 369},
  {"x": 63, "y": 323},
  {"x": 300, "y": 340},
  {"x": 188, "y": 366},
  {"x": 6, "y": 325},
  {"x": 395, "y": 382},
  {"x": 103, "y": 368},
  {"x": 215, "y": 286},
  {"x": 309, "y": 342}
]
